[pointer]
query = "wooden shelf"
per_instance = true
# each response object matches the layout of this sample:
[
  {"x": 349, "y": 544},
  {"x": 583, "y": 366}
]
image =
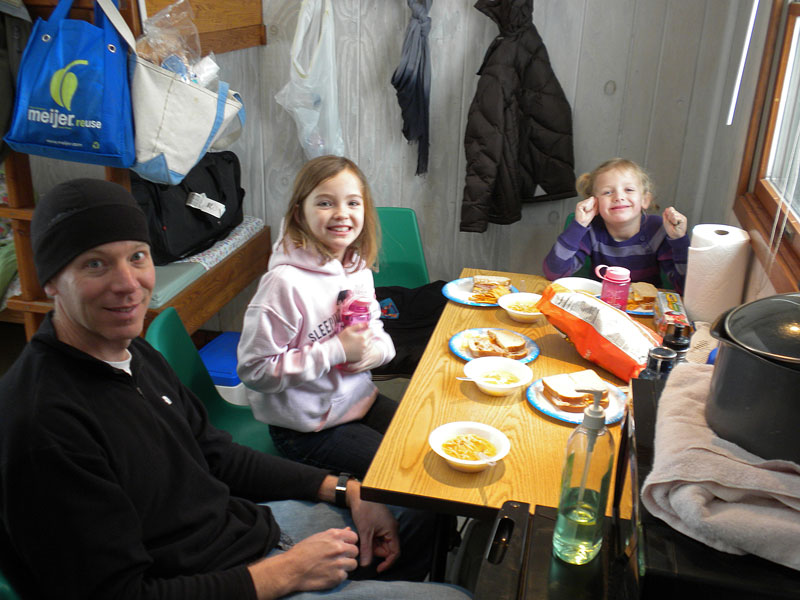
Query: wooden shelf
[{"x": 223, "y": 25}]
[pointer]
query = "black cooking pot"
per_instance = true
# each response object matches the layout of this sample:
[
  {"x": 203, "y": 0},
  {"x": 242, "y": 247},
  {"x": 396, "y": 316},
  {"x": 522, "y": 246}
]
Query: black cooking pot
[{"x": 755, "y": 388}]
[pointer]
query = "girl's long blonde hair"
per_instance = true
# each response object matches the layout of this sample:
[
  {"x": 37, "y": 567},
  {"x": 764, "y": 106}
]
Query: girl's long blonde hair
[
  {"x": 585, "y": 183},
  {"x": 364, "y": 250}
]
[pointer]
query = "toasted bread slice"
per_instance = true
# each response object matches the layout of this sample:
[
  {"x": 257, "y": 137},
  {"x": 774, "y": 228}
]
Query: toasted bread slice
[
  {"x": 507, "y": 340},
  {"x": 643, "y": 292},
  {"x": 562, "y": 390}
]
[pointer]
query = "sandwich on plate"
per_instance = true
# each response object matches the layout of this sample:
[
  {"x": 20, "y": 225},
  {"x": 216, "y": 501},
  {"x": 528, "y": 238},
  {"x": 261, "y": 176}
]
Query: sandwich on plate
[
  {"x": 642, "y": 296},
  {"x": 498, "y": 342},
  {"x": 488, "y": 288},
  {"x": 562, "y": 390}
]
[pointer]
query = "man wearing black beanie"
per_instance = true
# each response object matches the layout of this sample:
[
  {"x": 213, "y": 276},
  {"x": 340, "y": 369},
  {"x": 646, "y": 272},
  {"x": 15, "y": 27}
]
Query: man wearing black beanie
[{"x": 113, "y": 484}]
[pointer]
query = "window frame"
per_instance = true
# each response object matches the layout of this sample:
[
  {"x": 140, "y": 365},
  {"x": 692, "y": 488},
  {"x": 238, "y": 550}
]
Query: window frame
[{"x": 757, "y": 200}]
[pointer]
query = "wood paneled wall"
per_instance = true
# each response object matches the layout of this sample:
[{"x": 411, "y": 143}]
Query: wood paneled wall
[{"x": 647, "y": 79}]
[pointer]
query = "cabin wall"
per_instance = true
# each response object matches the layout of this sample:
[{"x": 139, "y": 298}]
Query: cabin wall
[{"x": 649, "y": 80}]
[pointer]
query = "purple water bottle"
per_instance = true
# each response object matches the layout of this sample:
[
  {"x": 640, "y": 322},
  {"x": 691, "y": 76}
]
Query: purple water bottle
[{"x": 616, "y": 282}]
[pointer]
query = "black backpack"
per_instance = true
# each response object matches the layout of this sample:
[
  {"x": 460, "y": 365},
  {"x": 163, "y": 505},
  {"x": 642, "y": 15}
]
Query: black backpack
[
  {"x": 177, "y": 229},
  {"x": 419, "y": 310}
]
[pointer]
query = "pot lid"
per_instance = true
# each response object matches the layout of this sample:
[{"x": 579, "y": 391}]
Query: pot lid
[{"x": 768, "y": 326}]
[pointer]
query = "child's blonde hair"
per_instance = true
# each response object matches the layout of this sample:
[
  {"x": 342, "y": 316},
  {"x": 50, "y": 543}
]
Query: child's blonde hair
[
  {"x": 313, "y": 173},
  {"x": 585, "y": 183}
]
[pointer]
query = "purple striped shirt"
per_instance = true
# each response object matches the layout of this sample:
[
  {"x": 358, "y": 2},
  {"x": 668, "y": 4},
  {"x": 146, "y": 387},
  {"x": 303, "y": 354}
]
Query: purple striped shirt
[{"x": 647, "y": 254}]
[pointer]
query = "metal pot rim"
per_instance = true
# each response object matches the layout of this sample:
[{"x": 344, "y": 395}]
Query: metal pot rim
[{"x": 760, "y": 304}]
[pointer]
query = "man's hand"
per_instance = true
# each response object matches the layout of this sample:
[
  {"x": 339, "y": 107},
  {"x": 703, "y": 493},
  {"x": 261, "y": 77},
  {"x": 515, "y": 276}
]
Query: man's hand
[
  {"x": 319, "y": 562},
  {"x": 377, "y": 529},
  {"x": 586, "y": 210}
]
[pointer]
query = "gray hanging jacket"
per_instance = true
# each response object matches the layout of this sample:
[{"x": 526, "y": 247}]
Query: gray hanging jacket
[
  {"x": 519, "y": 126},
  {"x": 412, "y": 80}
]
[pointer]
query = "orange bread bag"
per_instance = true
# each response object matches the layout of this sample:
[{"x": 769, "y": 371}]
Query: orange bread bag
[{"x": 601, "y": 333}]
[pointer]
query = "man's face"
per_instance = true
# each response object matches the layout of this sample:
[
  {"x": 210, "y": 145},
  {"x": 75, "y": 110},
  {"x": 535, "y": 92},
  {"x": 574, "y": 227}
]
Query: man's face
[{"x": 101, "y": 298}]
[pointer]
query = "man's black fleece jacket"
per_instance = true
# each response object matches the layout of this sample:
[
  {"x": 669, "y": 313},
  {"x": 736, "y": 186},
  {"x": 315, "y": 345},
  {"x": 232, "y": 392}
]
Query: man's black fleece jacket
[{"x": 117, "y": 486}]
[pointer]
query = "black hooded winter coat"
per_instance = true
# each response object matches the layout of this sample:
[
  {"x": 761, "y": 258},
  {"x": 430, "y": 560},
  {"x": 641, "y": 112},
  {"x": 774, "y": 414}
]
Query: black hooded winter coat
[{"x": 519, "y": 128}]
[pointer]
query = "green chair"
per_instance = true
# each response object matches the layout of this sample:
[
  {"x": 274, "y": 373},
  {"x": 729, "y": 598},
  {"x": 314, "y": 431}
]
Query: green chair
[
  {"x": 402, "y": 258},
  {"x": 168, "y": 335},
  {"x": 6, "y": 591}
]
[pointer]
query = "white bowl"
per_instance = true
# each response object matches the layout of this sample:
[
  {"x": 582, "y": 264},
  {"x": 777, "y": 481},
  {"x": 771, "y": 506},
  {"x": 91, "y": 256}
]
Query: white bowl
[
  {"x": 518, "y": 298},
  {"x": 581, "y": 284},
  {"x": 477, "y": 369},
  {"x": 448, "y": 431}
]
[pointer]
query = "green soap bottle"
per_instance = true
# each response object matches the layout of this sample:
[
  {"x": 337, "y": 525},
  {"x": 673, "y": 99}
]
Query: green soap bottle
[{"x": 585, "y": 481}]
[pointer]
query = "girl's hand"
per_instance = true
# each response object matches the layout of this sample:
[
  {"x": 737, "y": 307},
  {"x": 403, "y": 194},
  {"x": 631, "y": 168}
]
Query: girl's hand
[
  {"x": 355, "y": 340},
  {"x": 674, "y": 223},
  {"x": 586, "y": 210}
]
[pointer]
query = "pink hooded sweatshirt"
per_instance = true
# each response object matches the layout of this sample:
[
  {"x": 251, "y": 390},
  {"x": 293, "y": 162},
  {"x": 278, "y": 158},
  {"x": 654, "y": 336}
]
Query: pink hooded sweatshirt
[{"x": 289, "y": 349}]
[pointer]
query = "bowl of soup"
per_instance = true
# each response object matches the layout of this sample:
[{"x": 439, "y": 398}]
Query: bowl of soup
[
  {"x": 581, "y": 284},
  {"x": 469, "y": 446},
  {"x": 521, "y": 306},
  {"x": 498, "y": 375}
]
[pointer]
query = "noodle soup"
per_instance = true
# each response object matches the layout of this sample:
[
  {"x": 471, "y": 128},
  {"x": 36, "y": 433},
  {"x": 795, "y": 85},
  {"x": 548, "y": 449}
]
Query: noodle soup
[
  {"x": 469, "y": 446},
  {"x": 478, "y": 444}
]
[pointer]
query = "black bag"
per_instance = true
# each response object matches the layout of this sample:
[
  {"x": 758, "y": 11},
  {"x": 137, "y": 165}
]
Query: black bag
[
  {"x": 419, "y": 310},
  {"x": 177, "y": 227}
]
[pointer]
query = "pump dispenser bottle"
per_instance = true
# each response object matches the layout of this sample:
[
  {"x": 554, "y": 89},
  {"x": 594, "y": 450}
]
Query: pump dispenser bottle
[{"x": 585, "y": 481}]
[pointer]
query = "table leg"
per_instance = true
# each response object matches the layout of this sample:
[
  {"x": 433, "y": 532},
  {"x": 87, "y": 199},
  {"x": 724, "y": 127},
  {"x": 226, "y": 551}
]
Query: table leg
[{"x": 441, "y": 546}]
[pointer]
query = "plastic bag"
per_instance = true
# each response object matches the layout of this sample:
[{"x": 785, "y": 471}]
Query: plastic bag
[
  {"x": 171, "y": 40},
  {"x": 311, "y": 96},
  {"x": 601, "y": 333}
]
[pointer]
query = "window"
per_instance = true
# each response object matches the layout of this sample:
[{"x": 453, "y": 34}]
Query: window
[{"x": 768, "y": 205}]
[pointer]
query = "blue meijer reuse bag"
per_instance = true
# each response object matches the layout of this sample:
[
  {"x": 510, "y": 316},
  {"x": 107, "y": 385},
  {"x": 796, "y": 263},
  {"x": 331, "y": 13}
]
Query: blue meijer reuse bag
[{"x": 73, "y": 99}]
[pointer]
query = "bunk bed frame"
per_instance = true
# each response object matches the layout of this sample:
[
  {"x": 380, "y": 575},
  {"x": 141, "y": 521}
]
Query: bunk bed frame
[{"x": 196, "y": 303}]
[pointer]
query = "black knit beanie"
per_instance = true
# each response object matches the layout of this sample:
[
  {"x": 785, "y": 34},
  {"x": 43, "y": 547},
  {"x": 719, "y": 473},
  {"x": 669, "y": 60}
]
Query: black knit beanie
[{"x": 78, "y": 215}]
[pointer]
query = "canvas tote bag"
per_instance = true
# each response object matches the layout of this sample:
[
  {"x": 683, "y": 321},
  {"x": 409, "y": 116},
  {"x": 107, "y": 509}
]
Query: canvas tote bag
[{"x": 176, "y": 122}]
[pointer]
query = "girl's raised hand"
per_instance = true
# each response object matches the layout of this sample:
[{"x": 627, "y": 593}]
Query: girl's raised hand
[
  {"x": 586, "y": 210},
  {"x": 674, "y": 223}
]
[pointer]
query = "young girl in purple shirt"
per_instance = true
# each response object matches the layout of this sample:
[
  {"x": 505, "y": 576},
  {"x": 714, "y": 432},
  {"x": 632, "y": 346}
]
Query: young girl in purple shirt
[{"x": 612, "y": 228}]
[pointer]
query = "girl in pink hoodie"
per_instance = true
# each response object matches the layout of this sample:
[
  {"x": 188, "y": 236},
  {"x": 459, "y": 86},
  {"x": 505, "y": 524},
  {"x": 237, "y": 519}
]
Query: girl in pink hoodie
[{"x": 307, "y": 373}]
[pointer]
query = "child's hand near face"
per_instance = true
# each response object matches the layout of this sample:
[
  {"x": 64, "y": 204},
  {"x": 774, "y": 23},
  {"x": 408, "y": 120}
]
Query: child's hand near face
[
  {"x": 674, "y": 223},
  {"x": 586, "y": 210},
  {"x": 355, "y": 340}
]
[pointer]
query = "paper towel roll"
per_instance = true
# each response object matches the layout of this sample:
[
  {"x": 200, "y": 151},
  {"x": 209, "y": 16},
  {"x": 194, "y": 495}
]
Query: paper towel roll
[{"x": 715, "y": 274}]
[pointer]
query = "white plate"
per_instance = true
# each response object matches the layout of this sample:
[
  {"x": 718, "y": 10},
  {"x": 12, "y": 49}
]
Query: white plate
[
  {"x": 459, "y": 290},
  {"x": 616, "y": 404},
  {"x": 459, "y": 344}
]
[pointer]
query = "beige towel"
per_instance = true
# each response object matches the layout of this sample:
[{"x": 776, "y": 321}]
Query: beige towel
[{"x": 713, "y": 490}]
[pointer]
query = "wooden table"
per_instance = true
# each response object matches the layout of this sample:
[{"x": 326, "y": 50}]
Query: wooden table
[{"x": 406, "y": 472}]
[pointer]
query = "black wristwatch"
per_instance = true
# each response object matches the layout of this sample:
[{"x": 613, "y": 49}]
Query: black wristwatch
[{"x": 340, "y": 498}]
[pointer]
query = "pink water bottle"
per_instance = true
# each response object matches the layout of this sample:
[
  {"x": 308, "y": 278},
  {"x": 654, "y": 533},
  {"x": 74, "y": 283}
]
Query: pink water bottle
[
  {"x": 616, "y": 282},
  {"x": 355, "y": 310}
]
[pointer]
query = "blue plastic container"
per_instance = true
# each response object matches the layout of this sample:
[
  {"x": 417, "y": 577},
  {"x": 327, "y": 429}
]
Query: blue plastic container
[{"x": 219, "y": 357}]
